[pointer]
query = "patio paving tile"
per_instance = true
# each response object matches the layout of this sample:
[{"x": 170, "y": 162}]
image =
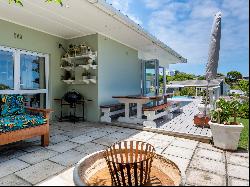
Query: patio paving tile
[
  {"x": 159, "y": 150},
  {"x": 189, "y": 144},
  {"x": 58, "y": 138},
  {"x": 119, "y": 136},
  {"x": 159, "y": 143},
  {"x": 209, "y": 146},
  {"x": 238, "y": 171},
  {"x": 142, "y": 136},
  {"x": 11, "y": 166},
  {"x": 182, "y": 163},
  {"x": 82, "y": 139},
  {"x": 201, "y": 178},
  {"x": 34, "y": 139},
  {"x": 55, "y": 131},
  {"x": 90, "y": 148},
  {"x": 128, "y": 131},
  {"x": 237, "y": 160},
  {"x": 106, "y": 141},
  {"x": 63, "y": 146},
  {"x": 209, "y": 154},
  {"x": 241, "y": 153},
  {"x": 208, "y": 165},
  {"x": 237, "y": 182},
  {"x": 10, "y": 154},
  {"x": 68, "y": 158},
  {"x": 29, "y": 146},
  {"x": 74, "y": 133},
  {"x": 62, "y": 179},
  {"x": 40, "y": 171},
  {"x": 163, "y": 137},
  {"x": 37, "y": 156},
  {"x": 179, "y": 152},
  {"x": 13, "y": 180},
  {"x": 96, "y": 134}
]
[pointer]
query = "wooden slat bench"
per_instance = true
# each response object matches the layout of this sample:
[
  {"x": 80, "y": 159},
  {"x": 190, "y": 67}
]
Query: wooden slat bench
[
  {"x": 163, "y": 110},
  {"x": 110, "y": 111}
]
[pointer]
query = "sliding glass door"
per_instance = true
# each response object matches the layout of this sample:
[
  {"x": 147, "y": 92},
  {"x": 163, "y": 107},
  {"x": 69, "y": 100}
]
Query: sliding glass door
[
  {"x": 26, "y": 73},
  {"x": 150, "y": 77}
]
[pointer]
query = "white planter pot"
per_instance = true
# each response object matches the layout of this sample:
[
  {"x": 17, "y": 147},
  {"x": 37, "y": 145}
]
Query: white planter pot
[
  {"x": 226, "y": 136},
  {"x": 201, "y": 108}
]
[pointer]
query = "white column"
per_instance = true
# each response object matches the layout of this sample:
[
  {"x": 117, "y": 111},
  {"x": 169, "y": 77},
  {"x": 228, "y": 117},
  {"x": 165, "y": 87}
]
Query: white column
[{"x": 164, "y": 80}]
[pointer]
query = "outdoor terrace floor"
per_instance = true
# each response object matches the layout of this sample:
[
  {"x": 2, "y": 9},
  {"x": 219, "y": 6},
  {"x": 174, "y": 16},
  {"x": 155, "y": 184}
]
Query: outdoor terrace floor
[
  {"x": 182, "y": 125},
  {"x": 27, "y": 163}
]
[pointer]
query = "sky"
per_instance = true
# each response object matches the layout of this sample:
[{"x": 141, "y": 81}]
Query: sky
[{"x": 185, "y": 26}]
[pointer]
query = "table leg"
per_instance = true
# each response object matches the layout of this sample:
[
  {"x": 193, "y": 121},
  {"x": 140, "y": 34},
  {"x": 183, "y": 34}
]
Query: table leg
[
  {"x": 127, "y": 110},
  {"x": 139, "y": 111}
]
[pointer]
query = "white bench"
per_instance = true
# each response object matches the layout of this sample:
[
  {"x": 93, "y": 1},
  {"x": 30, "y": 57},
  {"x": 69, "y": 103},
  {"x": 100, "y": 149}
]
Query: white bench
[
  {"x": 109, "y": 111},
  {"x": 163, "y": 110}
]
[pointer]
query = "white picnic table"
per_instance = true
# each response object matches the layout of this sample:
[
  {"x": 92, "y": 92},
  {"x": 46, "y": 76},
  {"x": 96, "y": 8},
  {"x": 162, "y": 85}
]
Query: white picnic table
[{"x": 139, "y": 100}]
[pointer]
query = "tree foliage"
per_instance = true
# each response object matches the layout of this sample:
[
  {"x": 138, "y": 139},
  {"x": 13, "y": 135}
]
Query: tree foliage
[
  {"x": 181, "y": 76},
  {"x": 233, "y": 77},
  {"x": 19, "y": 2},
  {"x": 188, "y": 91},
  {"x": 244, "y": 86}
]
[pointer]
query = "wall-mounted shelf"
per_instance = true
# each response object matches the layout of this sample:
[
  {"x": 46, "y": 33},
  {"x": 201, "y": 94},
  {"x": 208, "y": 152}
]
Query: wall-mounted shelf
[
  {"x": 68, "y": 81},
  {"x": 67, "y": 68},
  {"x": 89, "y": 56},
  {"x": 87, "y": 81},
  {"x": 76, "y": 66},
  {"x": 88, "y": 66}
]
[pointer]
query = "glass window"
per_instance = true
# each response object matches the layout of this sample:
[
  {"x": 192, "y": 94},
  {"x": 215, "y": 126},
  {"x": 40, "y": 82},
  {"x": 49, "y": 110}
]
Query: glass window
[
  {"x": 32, "y": 72},
  {"x": 6, "y": 70},
  {"x": 35, "y": 100}
]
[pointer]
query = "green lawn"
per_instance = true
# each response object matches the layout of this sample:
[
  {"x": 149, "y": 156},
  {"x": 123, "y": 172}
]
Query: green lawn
[{"x": 243, "y": 144}]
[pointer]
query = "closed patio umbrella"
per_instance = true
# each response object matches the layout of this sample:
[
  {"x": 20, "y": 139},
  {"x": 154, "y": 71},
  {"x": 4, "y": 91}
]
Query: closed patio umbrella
[{"x": 214, "y": 52}]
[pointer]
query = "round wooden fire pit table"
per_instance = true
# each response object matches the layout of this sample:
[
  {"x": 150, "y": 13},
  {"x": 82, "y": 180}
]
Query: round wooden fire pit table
[{"x": 93, "y": 170}]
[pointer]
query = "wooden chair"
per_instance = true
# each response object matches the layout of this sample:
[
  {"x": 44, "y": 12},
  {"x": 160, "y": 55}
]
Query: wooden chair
[{"x": 10, "y": 136}]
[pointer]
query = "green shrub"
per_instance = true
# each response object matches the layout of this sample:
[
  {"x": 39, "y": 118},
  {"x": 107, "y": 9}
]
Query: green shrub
[
  {"x": 244, "y": 110},
  {"x": 189, "y": 91}
]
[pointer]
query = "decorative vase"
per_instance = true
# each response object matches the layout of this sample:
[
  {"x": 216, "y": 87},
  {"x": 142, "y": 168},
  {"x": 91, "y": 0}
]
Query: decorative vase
[
  {"x": 226, "y": 137},
  {"x": 90, "y": 61}
]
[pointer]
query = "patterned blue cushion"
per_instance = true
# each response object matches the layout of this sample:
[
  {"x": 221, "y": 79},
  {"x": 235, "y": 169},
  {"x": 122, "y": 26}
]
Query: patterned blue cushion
[
  {"x": 12, "y": 105},
  {"x": 17, "y": 122}
]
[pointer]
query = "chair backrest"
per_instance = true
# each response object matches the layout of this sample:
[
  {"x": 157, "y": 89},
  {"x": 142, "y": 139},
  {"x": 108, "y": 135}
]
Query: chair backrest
[{"x": 11, "y": 105}]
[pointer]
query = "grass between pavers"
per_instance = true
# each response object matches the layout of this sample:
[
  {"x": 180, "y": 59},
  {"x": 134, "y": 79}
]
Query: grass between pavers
[{"x": 244, "y": 138}]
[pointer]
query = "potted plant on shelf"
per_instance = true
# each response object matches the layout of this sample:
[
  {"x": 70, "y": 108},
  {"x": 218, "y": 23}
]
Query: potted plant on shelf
[
  {"x": 226, "y": 134},
  {"x": 84, "y": 76}
]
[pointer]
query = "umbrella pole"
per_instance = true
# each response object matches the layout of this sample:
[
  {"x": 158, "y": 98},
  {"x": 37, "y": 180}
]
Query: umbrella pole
[{"x": 205, "y": 112}]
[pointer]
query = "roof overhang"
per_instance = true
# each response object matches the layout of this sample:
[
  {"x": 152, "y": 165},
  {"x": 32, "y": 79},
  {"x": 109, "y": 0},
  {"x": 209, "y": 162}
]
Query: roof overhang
[{"x": 84, "y": 17}]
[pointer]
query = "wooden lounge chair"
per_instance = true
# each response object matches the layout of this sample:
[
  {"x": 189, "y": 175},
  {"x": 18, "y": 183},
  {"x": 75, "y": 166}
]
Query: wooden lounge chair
[{"x": 19, "y": 123}]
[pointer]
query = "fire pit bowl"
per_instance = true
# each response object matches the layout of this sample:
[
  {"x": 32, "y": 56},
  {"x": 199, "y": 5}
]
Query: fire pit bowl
[{"x": 93, "y": 170}]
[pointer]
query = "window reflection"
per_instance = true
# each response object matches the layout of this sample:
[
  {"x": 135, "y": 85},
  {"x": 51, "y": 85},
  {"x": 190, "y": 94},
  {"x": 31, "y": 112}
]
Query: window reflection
[
  {"x": 32, "y": 72},
  {"x": 6, "y": 70},
  {"x": 35, "y": 100}
]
